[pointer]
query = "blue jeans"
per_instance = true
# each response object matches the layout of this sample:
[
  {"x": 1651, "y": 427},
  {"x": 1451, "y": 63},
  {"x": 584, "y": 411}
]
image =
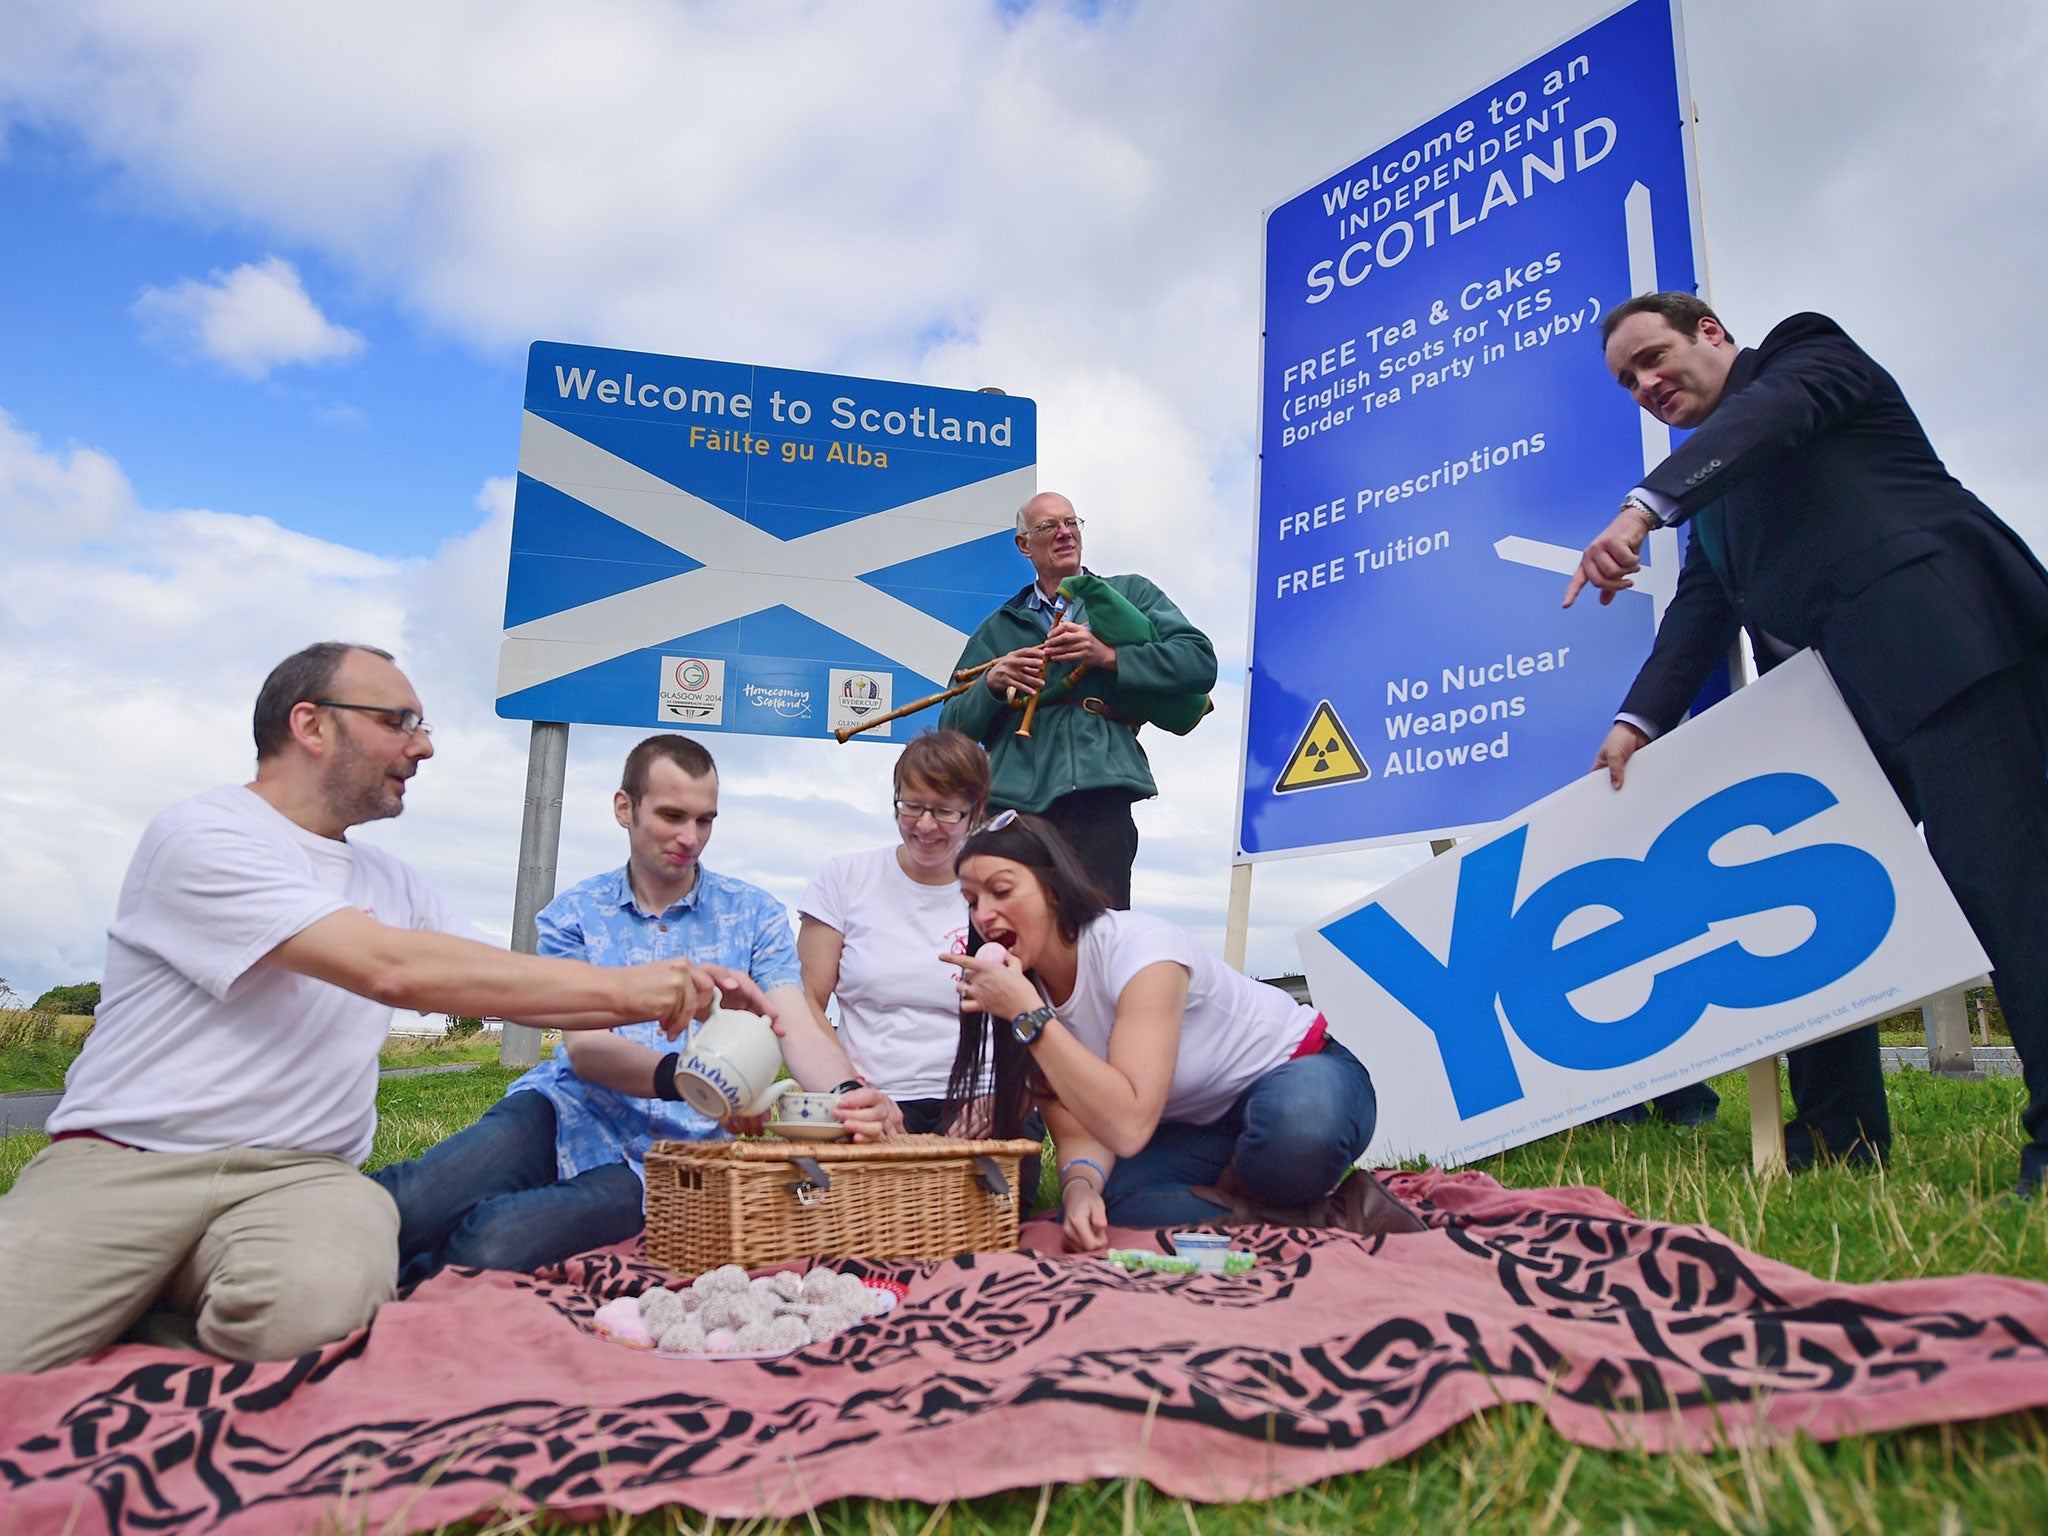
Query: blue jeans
[
  {"x": 488, "y": 1197},
  {"x": 1292, "y": 1134}
]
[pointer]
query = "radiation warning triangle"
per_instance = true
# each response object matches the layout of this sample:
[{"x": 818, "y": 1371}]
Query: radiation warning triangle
[{"x": 1324, "y": 755}]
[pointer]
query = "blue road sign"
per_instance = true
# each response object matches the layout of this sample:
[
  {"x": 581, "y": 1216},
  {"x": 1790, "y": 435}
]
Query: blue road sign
[
  {"x": 721, "y": 547},
  {"x": 1439, "y": 437}
]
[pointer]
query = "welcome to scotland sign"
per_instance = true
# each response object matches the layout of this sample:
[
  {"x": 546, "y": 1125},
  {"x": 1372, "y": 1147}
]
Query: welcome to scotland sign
[
  {"x": 1754, "y": 885},
  {"x": 722, "y": 547}
]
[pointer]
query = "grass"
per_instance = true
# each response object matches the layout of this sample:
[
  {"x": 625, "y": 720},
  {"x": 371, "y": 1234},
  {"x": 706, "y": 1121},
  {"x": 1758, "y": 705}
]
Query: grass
[
  {"x": 1911, "y": 1029},
  {"x": 415, "y": 1112},
  {"x": 37, "y": 1049},
  {"x": 35, "y": 1064},
  {"x": 1936, "y": 1210},
  {"x": 433, "y": 1051}
]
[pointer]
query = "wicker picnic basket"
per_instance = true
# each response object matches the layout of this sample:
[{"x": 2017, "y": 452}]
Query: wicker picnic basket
[{"x": 766, "y": 1202}]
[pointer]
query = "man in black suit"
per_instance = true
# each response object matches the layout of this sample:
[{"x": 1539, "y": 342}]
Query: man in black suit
[{"x": 1822, "y": 517}]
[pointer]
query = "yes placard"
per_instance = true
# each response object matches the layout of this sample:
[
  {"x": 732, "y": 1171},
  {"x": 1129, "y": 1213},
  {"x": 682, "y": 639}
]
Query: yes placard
[{"x": 1754, "y": 885}]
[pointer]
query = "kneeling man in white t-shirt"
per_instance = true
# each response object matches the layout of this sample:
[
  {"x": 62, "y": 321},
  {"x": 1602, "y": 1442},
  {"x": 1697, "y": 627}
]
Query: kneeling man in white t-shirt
[{"x": 201, "y": 1180}]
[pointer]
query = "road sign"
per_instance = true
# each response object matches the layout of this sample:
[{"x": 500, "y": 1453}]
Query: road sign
[
  {"x": 1755, "y": 885},
  {"x": 722, "y": 547},
  {"x": 1440, "y": 438}
]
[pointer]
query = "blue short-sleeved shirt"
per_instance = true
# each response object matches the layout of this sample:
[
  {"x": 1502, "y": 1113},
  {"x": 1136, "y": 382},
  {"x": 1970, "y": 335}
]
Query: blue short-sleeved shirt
[{"x": 723, "y": 922}]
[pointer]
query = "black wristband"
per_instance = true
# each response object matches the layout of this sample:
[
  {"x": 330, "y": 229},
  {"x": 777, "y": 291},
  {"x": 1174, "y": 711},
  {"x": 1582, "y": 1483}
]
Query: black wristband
[
  {"x": 665, "y": 1078},
  {"x": 848, "y": 1086}
]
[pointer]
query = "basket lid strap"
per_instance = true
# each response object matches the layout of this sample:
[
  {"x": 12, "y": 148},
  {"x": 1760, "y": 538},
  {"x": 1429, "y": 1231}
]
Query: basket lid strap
[
  {"x": 989, "y": 1175},
  {"x": 814, "y": 1176}
]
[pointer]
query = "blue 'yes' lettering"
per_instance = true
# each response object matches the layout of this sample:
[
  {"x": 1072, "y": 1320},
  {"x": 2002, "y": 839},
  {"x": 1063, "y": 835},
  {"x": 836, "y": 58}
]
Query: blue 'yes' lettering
[{"x": 1675, "y": 893}]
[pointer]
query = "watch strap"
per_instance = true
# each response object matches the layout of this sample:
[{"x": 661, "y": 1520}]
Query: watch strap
[
  {"x": 1027, "y": 1027},
  {"x": 665, "y": 1079}
]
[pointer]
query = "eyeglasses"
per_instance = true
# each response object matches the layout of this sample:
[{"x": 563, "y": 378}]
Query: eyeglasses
[
  {"x": 943, "y": 815},
  {"x": 1000, "y": 820},
  {"x": 403, "y": 721},
  {"x": 1054, "y": 525}
]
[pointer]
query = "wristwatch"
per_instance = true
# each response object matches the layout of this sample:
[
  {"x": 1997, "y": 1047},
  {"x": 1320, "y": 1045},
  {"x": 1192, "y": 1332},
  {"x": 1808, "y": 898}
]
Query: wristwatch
[
  {"x": 1027, "y": 1027},
  {"x": 1636, "y": 503}
]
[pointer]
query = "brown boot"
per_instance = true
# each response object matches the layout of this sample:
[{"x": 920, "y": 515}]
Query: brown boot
[
  {"x": 1361, "y": 1203},
  {"x": 1358, "y": 1204}
]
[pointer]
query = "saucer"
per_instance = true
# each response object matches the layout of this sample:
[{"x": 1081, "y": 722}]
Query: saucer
[{"x": 799, "y": 1130}]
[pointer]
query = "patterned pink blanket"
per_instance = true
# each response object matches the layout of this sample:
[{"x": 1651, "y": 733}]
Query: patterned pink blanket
[{"x": 482, "y": 1393}]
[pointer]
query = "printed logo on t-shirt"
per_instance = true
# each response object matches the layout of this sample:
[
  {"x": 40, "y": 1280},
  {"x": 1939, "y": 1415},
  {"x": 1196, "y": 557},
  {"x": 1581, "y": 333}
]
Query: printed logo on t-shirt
[{"x": 956, "y": 942}]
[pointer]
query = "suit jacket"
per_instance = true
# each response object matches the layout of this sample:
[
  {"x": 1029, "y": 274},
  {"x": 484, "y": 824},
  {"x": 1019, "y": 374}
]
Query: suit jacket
[{"x": 1825, "y": 518}]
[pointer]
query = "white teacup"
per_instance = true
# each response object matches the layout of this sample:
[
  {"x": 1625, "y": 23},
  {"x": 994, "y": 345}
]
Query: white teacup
[
  {"x": 730, "y": 1064},
  {"x": 794, "y": 1108}
]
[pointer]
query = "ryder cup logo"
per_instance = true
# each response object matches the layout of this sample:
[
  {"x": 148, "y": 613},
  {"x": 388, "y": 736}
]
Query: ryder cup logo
[
  {"x": 859, "y": 696},
  {"x": 856, "y": 697}
]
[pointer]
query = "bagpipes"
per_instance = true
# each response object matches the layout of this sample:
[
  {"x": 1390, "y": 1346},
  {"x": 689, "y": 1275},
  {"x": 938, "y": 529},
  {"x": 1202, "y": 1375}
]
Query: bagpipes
[{"x": 1116, "y": 621}]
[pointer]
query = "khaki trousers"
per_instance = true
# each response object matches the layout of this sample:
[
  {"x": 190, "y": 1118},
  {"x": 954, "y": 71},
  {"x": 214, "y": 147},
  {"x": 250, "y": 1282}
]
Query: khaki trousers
[{"x": 264, "y": 1254}]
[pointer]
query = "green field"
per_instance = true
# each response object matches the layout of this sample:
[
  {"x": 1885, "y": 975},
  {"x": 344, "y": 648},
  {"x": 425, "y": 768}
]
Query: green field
[
  {"x": 35, "y": 1048},
  {"x": 1939, "y": 1209}
]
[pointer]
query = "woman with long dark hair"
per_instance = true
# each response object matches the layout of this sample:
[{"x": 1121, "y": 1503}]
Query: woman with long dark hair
[{"x": 1178, "y": 1091}]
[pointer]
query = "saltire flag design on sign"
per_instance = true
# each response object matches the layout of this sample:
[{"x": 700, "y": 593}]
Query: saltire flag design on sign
[{"x": 719, "y": 546}]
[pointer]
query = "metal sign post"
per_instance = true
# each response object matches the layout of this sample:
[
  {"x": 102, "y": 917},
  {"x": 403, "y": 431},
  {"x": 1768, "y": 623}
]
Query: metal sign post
[{"x": 540, "y": 843}]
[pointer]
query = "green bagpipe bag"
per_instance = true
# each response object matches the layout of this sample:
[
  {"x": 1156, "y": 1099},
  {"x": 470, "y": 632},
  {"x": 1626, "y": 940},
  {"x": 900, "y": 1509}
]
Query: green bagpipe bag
[{"x": 1116, "y": 620}]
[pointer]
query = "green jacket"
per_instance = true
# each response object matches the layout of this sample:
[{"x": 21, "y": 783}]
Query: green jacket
[{"x": 1071, "y": 745}]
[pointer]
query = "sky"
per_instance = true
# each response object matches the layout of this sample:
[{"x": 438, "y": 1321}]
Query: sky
[{"x": 268, "y": 275}]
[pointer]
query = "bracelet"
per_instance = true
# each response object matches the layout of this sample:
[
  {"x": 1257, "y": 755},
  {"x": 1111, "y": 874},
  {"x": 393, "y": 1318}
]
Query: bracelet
[
  {"x": 848, "y": 1086},
  {"x": 665, "y": 1078},
  {"x": 1067, "y": 1168}
]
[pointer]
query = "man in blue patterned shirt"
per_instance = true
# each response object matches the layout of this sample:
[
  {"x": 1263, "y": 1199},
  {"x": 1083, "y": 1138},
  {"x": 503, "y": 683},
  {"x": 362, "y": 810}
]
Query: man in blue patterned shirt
[{"x": 558, "y": 1165}]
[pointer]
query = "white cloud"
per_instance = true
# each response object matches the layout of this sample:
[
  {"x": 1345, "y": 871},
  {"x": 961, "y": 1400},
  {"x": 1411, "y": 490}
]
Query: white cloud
[
  {"x": 342, "y": 416},
  {"x": 57, "y": 499},
  {"x": 1032, "y": 199},
  {"x": 127, "y": 669},
  {"x": 252, "y": 320}
]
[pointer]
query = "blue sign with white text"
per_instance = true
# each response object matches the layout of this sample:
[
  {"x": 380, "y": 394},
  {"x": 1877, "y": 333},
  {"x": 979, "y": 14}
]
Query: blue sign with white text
[
  {"x": 1439, "y": 438},
  {"x": 717, "y": 546}
]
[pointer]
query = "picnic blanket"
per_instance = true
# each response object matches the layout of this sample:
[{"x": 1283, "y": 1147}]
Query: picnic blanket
[{"x": 487, "y": 1393}]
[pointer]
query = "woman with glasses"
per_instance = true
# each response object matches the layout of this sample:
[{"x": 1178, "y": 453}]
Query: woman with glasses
[
  {"x": 1178, "y": 1090},
  {"x": 873, "y": 925}
]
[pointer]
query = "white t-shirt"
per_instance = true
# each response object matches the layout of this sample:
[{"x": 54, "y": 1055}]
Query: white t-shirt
[
  {"x": 899, "y": 1015},
  {"x": 1235, "y": 1029},
  {"x": 197, "y": 1047}
]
